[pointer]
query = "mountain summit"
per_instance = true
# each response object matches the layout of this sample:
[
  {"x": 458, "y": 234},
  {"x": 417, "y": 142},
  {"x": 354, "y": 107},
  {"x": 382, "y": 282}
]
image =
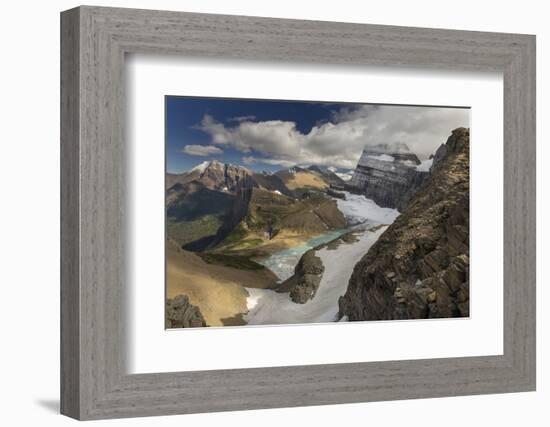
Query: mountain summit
[{"x": 226, "y": 177}]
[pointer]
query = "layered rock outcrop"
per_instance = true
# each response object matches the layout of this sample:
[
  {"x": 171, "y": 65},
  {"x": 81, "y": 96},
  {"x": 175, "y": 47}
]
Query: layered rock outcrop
[
  {"x": 419, "y": 267},
  {"x": 388, "y": 175}
]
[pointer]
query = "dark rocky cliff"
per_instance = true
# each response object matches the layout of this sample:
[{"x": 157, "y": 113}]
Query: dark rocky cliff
[
  {"x": 180, "y": 313},
  {"x": 388, "y": 175},
  {"x": 419, "y": 268}
]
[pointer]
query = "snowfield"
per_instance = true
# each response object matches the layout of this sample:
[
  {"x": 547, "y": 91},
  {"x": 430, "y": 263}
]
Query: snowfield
[
  {"x": 425, "y": 165},
  {"x": 382, "y": 157},
  {"x": 267, "y": 307},
  {"x": 345, "y": 176},
  {"x": 358, "y": 209}
]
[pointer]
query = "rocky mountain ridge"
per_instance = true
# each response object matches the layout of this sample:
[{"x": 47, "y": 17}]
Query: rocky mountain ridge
[
  {"x": 214, "y": 201},
  {"x": 419, "y": 267},
  {"x": 227, "y": 177},
  {"x": 329, "y": 176},
  {"x": 259, "y": 214}
]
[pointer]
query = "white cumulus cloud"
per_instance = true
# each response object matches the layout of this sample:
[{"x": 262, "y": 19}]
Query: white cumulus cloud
[
  {"x": 201, "y": 150},
  {"x": 340, "y": 141}
]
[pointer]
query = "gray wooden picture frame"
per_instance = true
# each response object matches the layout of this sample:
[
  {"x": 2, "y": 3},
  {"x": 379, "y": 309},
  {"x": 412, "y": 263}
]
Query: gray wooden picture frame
[{"x": 94, "y": 41}]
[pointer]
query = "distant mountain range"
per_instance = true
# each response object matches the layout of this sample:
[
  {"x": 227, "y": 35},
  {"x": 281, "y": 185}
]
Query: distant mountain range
[
  {"x": 216, "y": 203},
  {"x": 218, "y": 176},
  {"x": 206, "y": 203}
]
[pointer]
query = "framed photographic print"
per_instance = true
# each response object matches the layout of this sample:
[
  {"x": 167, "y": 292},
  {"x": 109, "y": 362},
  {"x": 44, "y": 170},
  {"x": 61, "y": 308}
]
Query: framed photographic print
[{"x": 262, "y": 213}]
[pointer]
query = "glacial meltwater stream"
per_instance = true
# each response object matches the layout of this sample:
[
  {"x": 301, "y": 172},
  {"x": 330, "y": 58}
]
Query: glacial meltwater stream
[{"x": 282, "y": 263}]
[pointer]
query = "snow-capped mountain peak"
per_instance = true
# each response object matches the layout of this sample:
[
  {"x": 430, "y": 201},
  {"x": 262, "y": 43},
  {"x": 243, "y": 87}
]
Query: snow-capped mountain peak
[{"x": 201, "y": 167}]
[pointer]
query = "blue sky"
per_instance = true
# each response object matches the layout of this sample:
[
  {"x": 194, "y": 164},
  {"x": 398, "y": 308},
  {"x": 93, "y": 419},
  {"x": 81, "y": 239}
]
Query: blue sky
[
  {"x": 270, "y": 135},
  {"x": 184, "y": 116}
]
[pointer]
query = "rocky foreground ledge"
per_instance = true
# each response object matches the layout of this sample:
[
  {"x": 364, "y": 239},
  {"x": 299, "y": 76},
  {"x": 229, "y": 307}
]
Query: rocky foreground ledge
[
  {"x": 180, "y": 313},
  {"x": 419, "y": 267}
]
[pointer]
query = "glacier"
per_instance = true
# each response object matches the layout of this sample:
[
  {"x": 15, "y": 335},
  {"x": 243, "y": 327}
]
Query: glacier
[{"x": 267, "y": 307}]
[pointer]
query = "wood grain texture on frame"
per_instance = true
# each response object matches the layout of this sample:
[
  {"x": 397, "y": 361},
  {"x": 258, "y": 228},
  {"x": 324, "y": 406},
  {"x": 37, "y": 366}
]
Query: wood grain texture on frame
[{"x": 94, "y": 381}]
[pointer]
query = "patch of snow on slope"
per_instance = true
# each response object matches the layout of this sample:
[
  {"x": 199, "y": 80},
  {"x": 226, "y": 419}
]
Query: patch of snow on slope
[
  {"x": 408, "y": 163},
  {"x": 201, "y": 167},
  {"x": 383, "y": 157},
  {"x": 277, "y": 192},
  {"x": 425, "y": 165},
  {"x": 357, "y": 209},
  {"x": 345, "y": 176},
  {"x": 267, "y": 307}
]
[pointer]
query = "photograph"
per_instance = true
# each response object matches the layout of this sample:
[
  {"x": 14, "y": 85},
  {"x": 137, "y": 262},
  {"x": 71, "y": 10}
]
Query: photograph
[{"x": 293, "y": 212}]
